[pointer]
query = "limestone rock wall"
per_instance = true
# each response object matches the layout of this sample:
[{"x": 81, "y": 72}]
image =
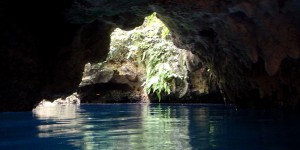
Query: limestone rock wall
[
  {"x": 244, "y": 42},
  {"x": 252, "y": 46},
  {"x": 113, "y": 81}
]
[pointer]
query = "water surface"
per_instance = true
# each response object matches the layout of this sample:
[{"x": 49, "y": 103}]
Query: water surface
[{"x": 149, "y": 126}]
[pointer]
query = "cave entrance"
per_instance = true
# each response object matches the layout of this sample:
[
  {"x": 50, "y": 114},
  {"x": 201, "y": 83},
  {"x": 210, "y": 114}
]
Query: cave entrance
[
  {"x": 159, "y": 64},
  {"x": 143, "y": 65}
]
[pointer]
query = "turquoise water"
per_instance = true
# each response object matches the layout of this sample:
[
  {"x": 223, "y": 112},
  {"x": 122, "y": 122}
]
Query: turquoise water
[{"x": 149, "y": 126}]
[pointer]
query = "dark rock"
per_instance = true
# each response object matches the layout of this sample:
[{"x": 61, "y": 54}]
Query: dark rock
[
  {"x": 42, "y": 54},
  {"x": 104, "y": 93}
]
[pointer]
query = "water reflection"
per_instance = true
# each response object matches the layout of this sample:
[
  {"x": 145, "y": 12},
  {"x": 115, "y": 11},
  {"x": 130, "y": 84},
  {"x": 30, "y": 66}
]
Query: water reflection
[
  {"x": 56, "y": 111},
  {"x": 165, "y": 128},
  {"x": 126, "y": 126},
  {"x": 56, "y": 119},
  {"x": 152, "y": 126}
]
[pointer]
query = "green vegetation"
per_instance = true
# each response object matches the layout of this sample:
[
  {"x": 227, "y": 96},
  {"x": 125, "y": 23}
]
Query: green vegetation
[{"x": 151, "y": 46}]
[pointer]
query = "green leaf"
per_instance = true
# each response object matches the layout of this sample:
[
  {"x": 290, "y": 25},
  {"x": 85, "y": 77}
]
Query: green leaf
[{"x": 158, "y": 96}]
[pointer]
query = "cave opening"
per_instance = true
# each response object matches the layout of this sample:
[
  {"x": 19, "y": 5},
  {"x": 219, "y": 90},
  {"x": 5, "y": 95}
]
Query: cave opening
[{"x": 144, "y": 65}]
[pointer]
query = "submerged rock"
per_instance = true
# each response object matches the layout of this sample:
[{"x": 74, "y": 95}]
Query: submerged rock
[{"x": 70, "y": 100}]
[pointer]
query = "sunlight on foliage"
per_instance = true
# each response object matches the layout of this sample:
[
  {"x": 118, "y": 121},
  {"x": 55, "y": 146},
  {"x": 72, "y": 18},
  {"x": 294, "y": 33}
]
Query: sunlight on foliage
[{"x": 151, "y": 46}]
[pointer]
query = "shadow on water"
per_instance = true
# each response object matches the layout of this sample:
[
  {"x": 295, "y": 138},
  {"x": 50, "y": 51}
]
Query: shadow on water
[
  {"x": 232, "y": 129},
  {"x": 148, "y": 126}
]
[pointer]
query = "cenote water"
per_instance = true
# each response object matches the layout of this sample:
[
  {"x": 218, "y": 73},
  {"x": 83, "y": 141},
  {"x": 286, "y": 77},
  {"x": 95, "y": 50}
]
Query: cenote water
[{"x": 149, "y": 126}]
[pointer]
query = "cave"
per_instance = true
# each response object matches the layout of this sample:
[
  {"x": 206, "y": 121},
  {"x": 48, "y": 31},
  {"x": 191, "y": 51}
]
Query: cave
[
  {"x": 252, "y": 47},
  {"x": 144, "y": 66}
]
